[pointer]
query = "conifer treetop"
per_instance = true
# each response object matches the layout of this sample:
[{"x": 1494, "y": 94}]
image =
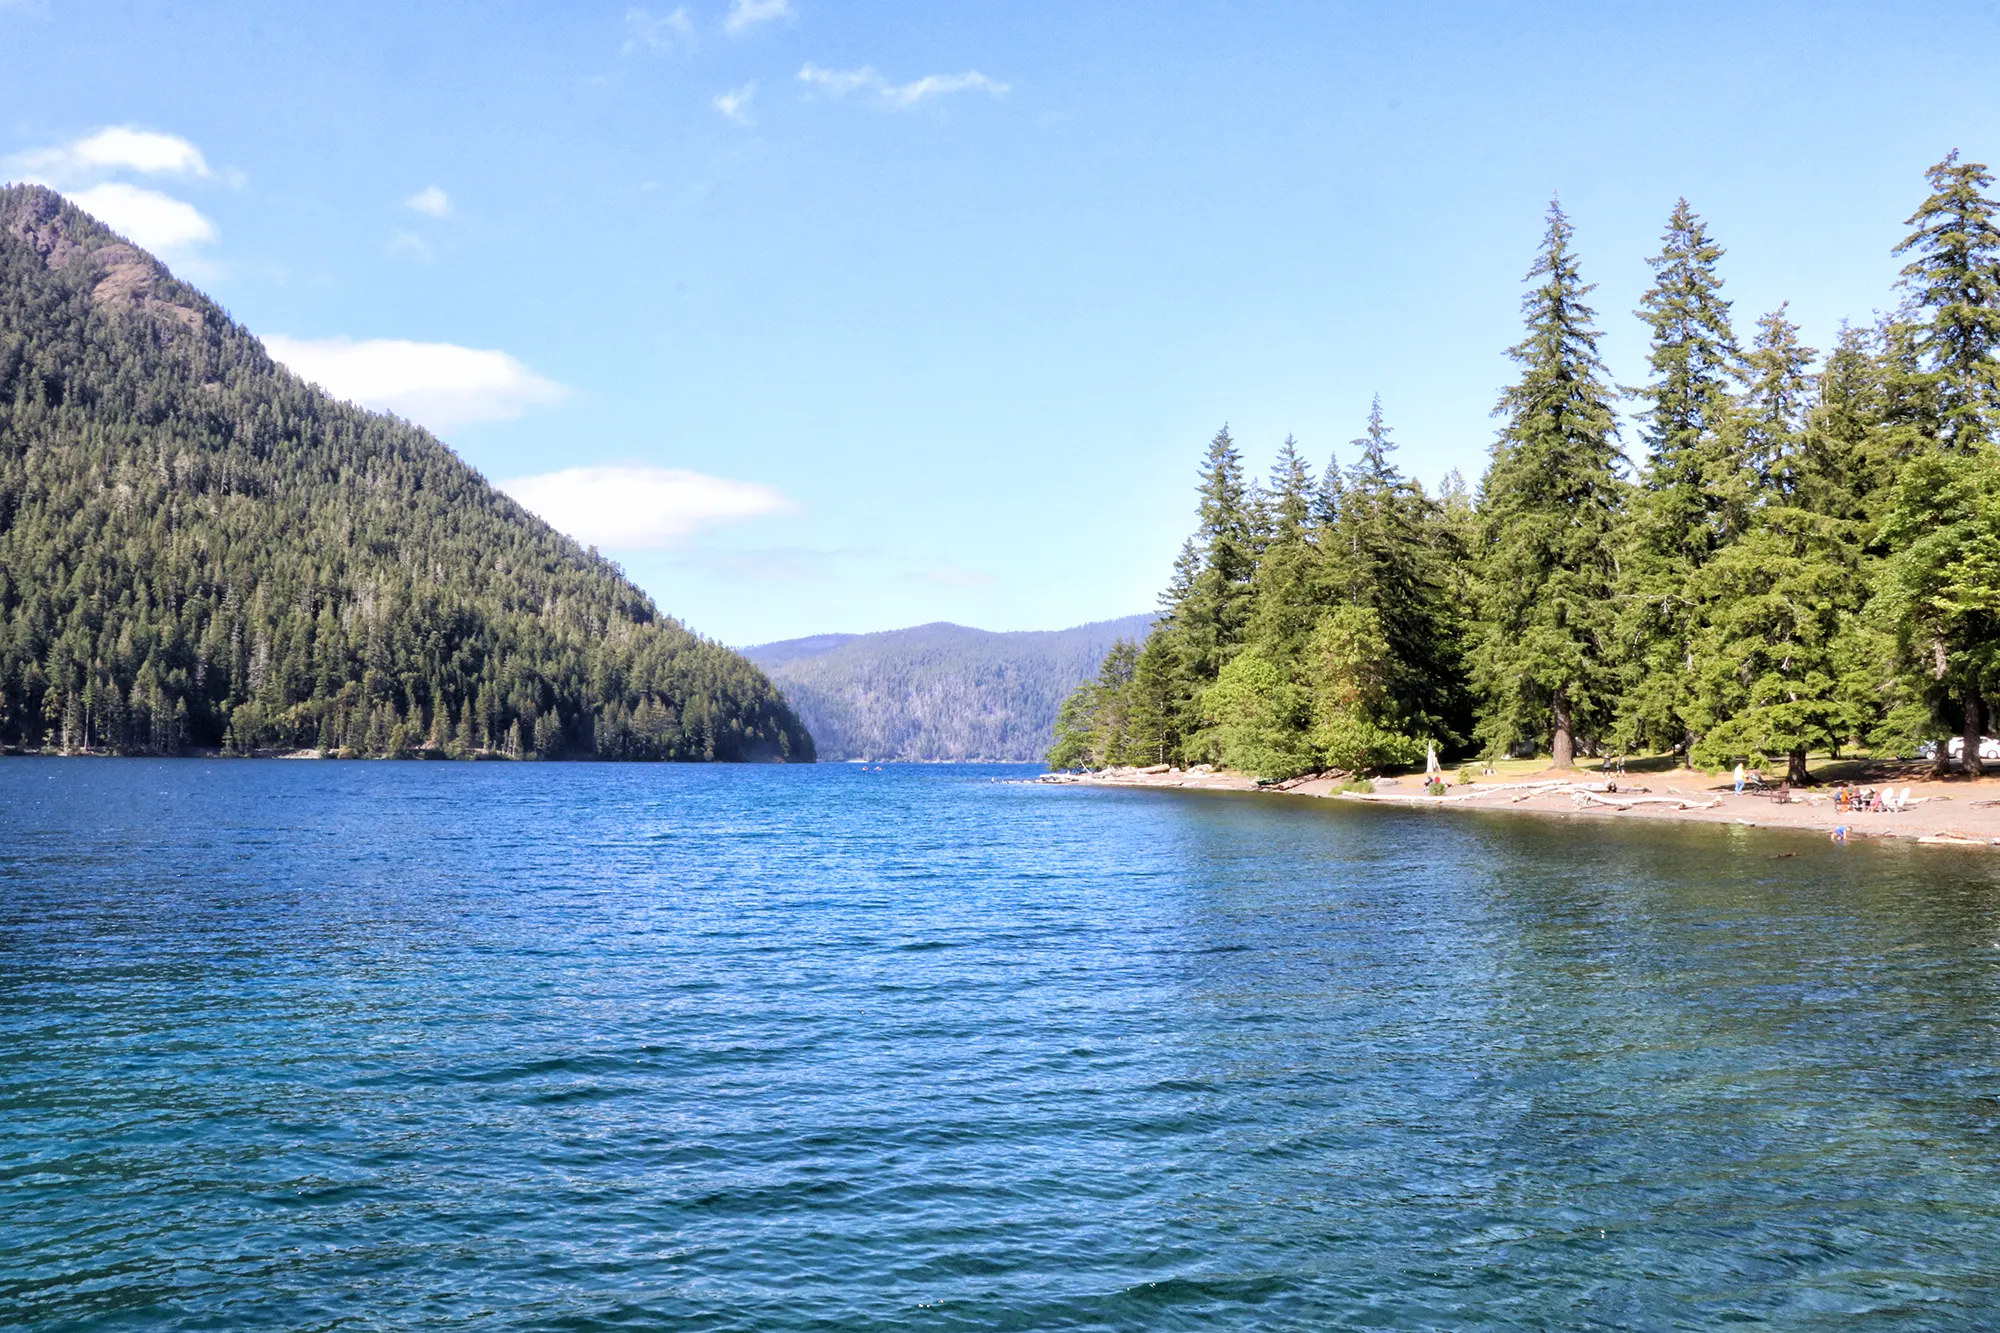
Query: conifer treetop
[{"x": 1953, "y": 283}]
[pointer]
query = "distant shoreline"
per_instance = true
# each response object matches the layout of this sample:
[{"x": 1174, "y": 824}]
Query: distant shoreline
[
  {"x": 409, "y": 757},
  {"x": 1954, "y": 812}
]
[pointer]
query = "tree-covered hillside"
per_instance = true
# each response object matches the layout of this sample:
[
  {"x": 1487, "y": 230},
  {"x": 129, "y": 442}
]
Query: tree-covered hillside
[
  {"x": 1805, "y": 554},
  {"x": 198, "y": 549},
  {"x": 937, "y": 692}
]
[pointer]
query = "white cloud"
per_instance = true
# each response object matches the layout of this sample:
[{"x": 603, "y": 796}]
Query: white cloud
[
  {"x": 409, "y": 245},
  {"x": 841, "y": 82},
  {"x": 735, "y": 103},
  {"x": 439, "y": 385},
  {"x": 148, "y": 218},
  {"x": 658, "y": 33},
  {"x": 747, "y": 14},
  {"x": 633, "y": 507},
  {"x": 430, "y": 201},
  {"x": 938, "y": 85},
  {"x": 116, "y": 148}
]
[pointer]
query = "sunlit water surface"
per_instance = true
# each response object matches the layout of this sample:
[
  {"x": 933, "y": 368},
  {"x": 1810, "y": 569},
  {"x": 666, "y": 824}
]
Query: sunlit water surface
[{"x": 343, "y": 1045}]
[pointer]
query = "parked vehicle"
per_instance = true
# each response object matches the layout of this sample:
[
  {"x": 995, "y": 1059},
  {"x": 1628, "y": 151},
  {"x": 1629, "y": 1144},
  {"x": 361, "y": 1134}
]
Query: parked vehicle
[{"x": 1989, "y": 748}]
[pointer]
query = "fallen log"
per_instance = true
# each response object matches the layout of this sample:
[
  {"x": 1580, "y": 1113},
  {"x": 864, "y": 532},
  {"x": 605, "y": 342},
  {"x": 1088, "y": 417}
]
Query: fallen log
[{"x": 1679, "y": 803}]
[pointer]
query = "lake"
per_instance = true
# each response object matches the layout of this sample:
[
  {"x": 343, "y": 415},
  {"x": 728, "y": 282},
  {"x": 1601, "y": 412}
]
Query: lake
[{"x": 565, "y": 1046}]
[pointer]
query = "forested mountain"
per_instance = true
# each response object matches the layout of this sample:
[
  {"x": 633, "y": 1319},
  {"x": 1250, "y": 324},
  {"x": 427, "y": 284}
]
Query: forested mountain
[
  {"x": 1805, "y": 556},
  {"x": 938, "y": 692},
  {"x": 199, "y": 549}
]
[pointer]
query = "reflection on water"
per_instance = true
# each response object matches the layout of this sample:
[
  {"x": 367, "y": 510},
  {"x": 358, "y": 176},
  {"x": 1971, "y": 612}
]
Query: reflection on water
[{"x": 291, "y": 1045}]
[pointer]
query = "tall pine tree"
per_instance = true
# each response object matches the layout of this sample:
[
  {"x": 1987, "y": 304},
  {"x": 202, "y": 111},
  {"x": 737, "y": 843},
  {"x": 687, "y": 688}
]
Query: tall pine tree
[
  {"x": 1775, "y": 598},
  {"x": 1675, "y": 526},
  {"x": 1551, "y": 497},
  {"x": 1938, "y": 598},
  {"x": 1386, "y": 555},
  {"x": 1953, "y": 283}
]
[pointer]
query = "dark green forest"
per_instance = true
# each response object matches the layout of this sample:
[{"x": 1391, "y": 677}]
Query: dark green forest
[
  {"x": 199, "y": 550},
  {"x": 936, "y": 692},
  {"x": 1801, "y": 554}
]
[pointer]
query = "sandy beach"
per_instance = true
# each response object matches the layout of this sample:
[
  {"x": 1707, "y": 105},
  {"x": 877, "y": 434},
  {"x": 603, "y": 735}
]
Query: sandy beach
[{"x": 1953, "y": 812}]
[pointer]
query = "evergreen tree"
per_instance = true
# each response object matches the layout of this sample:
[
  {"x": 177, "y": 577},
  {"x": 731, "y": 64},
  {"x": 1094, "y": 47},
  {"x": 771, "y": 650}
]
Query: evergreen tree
[
  {"x": 1940, "y": 593},
  {"x": 1841, "y": 469},
  {"x": 1388, "y": 553},
  {"x": 199, "y": 549},
  {"x": 1285, "y": 590},
  {"x": 1694, "y": 360},
  {"x": 1356, "y": 724},
  {"x": 1944, "y": 392},
  {"x": 1774, "y": 600},
  {"x": 1550, "y": 500},
  {"x": 1094, "y": 725},
  {"x": 1953, "y": 282},
  {"x": 1209, "y": 620},
  {"x": 1675, "y": 525}
]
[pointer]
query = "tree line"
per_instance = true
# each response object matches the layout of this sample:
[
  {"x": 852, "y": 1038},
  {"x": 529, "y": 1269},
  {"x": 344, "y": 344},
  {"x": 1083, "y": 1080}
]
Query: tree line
[
  {"x": 199, "y": 550},
  {"x": 1805, "y": 555}
]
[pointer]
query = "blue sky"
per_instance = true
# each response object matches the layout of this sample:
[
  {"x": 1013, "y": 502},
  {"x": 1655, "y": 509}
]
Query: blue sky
[{"x": 826, "y": 316}]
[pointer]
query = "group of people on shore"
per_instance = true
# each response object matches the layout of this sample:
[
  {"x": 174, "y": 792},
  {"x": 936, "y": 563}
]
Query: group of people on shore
[{"x": 1870, "y": 799}]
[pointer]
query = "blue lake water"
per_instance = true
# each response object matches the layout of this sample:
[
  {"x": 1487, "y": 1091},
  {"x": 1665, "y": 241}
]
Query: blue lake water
[{"x": 369, "y": 1045}]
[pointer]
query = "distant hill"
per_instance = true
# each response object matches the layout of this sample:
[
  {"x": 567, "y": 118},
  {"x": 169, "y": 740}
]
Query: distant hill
[
  {"x": 199, "y": 549},
  {"x": 937, "y": 692}
]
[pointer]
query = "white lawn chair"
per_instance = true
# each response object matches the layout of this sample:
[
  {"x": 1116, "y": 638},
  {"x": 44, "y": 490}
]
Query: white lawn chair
[{"x": 1903, "y": 801}]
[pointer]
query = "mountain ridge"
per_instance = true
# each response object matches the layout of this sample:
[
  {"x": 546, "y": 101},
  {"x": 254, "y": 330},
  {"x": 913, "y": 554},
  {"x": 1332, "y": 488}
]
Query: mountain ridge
[
  {"x": 198, "y": 549},
  {"x": 938, "y": 691}
]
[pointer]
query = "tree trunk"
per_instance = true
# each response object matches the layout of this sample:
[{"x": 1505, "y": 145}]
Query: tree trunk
[
  {"x": 1563, "y": 743},
  {"x": 1797, "y": 775},
  {"x": 1975, "y": 728}
]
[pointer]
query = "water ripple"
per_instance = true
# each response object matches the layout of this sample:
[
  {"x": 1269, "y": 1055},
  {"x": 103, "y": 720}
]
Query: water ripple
[{"x": 327, "y": 1046}]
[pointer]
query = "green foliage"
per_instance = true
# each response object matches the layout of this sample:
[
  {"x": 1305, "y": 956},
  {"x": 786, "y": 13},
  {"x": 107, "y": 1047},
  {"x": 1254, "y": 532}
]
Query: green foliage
[
  {"x": 1390, "y": 550},
  {"x": 1953, "y": 282},
  {"x": 1549, "y": 504},
  {"x": 1259, "y": 715},
  {"x": 1940, "y": 592},
  {"x": 1767, "y": 666},
  {"x": 1305, "y": 627},
  {"x": 1348, "y": 672},
  {"x": 197, "y": 549},
  {"x": 1094, "y": 725},
  {"x": 1809, "y": 557}
]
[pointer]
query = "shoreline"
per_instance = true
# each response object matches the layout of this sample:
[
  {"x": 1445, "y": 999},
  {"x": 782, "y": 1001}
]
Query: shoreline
[{"x": 1956, "y": 812}]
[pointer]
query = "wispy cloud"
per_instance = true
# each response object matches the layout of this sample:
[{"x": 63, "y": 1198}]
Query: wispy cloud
[
  {"x": 735, "y": 103},
  {"x": 439, "y": 385},
  {"x": 900, "y": 96},
  {"x": 839, "y": 82},
  {"x": 638, "y": 507},
  {"x": 940, "y": 85},
  {"x": 409, "y": 245},
  {"x": 747, "y": 14},
  {"x": 430, "y": 201},
  {"x": 112, "y": 149},
  {"x": 658, "y": 33},
  {"x": 148, "y": 218}
]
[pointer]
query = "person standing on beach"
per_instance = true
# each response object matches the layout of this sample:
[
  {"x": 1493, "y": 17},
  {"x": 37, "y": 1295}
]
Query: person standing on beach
[{"x": 1739, "y": 779}]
